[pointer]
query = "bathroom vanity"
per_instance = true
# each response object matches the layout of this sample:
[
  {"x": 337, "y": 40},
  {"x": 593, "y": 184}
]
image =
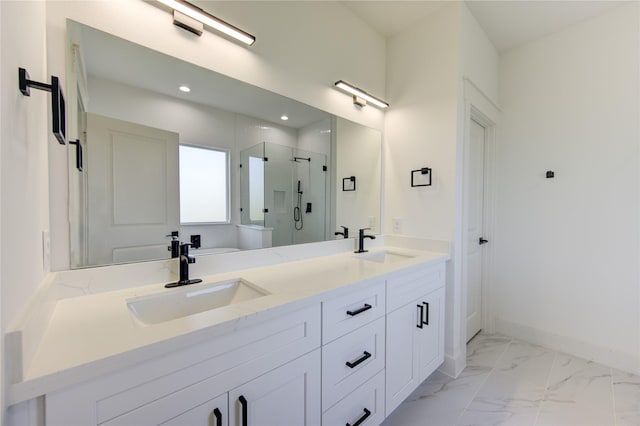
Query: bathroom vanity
[{"x": 335, "y": 339}]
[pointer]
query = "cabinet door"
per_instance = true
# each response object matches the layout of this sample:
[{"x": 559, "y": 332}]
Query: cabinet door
[
  {"x": 286, "y": 396},
  {"x": 431, "y": 336},
  {"x": 177, "y": 410},
  {"x": 402, "y": 353},
  {"x": 211, "y": 413}
]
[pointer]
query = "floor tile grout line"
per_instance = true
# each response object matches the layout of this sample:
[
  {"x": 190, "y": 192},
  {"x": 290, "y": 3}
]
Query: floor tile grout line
[
  {"x": 484, "y": 381},
  {"x": 613, "y": 397},
  {"x": 546, "y": 386}
]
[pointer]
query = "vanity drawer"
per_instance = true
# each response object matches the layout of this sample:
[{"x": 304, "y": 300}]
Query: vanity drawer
[
  {"x": 402, "y": 288},
  {"x": 351, "y": 360},
  {"x": 365, "y": 402},
  {"x": 344, "y": 314}
]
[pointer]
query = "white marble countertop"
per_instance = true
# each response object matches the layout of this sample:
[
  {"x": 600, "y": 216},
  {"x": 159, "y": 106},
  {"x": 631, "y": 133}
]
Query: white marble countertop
[{"x": 95, "y": 334}]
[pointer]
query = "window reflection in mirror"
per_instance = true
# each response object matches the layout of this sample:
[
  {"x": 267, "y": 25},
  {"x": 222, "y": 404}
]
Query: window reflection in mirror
[{"x": 204, "y": 186}]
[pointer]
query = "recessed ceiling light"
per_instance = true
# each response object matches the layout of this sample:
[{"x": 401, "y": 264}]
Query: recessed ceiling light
[
  {"x": 284, "y": 118},
  {"x": 184, "y": 89}
]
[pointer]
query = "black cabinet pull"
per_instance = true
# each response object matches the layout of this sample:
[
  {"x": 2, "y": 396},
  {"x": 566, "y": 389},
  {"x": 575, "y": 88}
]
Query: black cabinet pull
[
  {"x": 482, "y": 241},
  {"x": 366, "y": 355},
  {"x": 426, "y": 306},
  {"x": 218, "y": 415},
  {"x": 366, "y": 307},
  {"x": 364, "y": 417},
  {"x": 420, "y": 315},
  {"x": 243, "y": 403}
]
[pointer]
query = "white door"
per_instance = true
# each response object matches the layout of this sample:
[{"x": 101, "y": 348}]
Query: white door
[
  {"x": 286, "y": 396},
  {"x": 133, "y": 190},
  {"x": 475, "y": 238}
]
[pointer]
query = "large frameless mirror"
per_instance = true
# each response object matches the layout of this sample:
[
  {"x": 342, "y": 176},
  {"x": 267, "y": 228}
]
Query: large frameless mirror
[{"x": 169, "y": 146}]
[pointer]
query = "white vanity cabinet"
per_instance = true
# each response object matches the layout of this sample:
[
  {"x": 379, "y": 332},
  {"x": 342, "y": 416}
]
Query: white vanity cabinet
[
  {"x": 415, "y": 331},
  {"x": 274, "y": 365},
  {"x": 350, "y": 357}
]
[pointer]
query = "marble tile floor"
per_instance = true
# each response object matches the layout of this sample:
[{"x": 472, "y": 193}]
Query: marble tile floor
[{"x": 511, "y": 382}]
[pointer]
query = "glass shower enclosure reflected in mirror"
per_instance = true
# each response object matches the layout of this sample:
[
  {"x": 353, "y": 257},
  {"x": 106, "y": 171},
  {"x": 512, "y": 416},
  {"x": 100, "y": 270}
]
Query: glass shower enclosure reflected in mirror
[{"x": 284, "y": 190}]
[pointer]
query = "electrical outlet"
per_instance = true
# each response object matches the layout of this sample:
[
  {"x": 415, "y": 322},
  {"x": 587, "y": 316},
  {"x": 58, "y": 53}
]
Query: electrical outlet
[
  {"x": 195, "y": 241},
  {"x": 396, "y": 223},
  {"x": 46, "y": 251}
]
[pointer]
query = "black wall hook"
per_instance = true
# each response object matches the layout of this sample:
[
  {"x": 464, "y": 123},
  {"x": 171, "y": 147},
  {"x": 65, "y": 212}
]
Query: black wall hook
[{"x": 58, "y": 108}]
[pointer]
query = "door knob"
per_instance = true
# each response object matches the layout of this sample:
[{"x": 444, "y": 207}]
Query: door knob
[{"x": 482, "y": 241}]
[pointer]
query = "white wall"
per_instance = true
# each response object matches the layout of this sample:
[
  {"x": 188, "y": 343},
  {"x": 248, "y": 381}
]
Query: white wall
[
  {"x": 566, "y": 249},
  {"x": 26, "y": 140},
  {"x": 425, "y": 128},
  {"x": 423, "y": 75},
  {"x": 479, "y": 56}
]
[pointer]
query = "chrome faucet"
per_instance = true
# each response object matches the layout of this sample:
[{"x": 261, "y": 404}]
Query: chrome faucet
[
  {"x": 344, "y": 233},
  {"x": 185, "y": 260},
  {"x": 361, "y": 237}
]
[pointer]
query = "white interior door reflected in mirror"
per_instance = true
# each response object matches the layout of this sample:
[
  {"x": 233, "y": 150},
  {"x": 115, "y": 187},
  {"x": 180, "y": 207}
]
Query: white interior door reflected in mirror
[{"x": 132, "y": 190}]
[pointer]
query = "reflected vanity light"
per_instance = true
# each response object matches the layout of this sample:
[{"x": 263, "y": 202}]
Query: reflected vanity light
[
  {"x": 360, "y": 95},
  {"x": 184, "y": 89},
  {"x": 284, "y": 117},
  {"x": 207, "y": 19}
]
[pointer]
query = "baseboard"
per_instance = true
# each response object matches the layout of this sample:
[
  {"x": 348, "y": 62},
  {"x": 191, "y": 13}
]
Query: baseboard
[
  {"x": 618, "y": 360},
  {"x": 453, "y": 366}
]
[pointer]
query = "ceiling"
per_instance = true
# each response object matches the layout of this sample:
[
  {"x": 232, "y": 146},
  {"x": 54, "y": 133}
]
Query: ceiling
[{"x": 507, "y": 23}]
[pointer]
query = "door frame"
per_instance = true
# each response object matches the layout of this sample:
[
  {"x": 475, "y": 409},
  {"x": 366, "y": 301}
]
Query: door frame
[{"x": 480, "y": 108}]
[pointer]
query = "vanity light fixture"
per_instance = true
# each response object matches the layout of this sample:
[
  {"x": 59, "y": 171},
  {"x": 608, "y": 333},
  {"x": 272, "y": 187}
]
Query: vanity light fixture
[
  {"x": 184, "y": 89},
  {"x": 194, "y": 12},
  {"x": 284, "y": 117},
  {"x": 360, "y": 97}
]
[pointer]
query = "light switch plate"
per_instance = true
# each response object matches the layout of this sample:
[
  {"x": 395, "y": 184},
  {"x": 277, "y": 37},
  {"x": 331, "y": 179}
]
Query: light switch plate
[{"x": 396, "y": 223}]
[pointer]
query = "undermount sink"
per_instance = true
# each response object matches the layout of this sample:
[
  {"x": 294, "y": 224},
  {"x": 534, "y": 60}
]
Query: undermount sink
[
  {"x": 384, "y": 256},
  {"x": 189, "y": 300}
]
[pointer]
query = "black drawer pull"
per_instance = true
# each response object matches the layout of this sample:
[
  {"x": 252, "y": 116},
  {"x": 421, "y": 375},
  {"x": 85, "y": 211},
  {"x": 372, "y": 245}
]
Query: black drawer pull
[
  {"x": 365, "y": 356},
  {"x": 361, "y": 420},
  {"x": 243, "y": 403},
  {"x": 426, "y": 307},
  {"x": 420, "y": 315},
  {"x": 366, "y": 307},
  {"x": 218, "y": 415}
]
